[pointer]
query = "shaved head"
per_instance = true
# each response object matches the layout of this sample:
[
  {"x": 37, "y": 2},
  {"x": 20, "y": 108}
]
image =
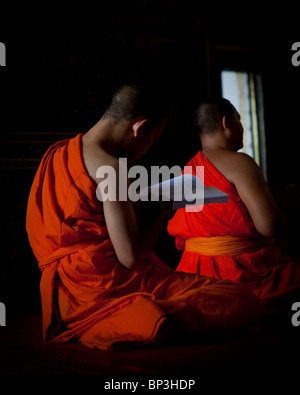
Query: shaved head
[
  {"x": 131, "y": 101},
  {"x": 210, "y": 112}
]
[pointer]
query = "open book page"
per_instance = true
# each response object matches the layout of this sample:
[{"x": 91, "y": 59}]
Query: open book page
[{"x": 185, "y": 190}]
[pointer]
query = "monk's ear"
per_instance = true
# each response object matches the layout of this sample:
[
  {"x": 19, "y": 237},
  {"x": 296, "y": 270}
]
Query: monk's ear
[
  {"x": 225, "y": 123},
  {"x": 140, "y": 127}
]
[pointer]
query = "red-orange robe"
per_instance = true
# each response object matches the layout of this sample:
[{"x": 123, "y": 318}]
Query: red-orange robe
[
  {"x": 267, "y": 270},
  {"x": 87, "y": 295}
]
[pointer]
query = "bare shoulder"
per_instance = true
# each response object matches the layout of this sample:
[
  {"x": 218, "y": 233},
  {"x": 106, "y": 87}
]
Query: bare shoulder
[
  {"x": 241, "y": 160},
  {"x": 242, "y": 168},
  {"x": 233, "y": 165}
]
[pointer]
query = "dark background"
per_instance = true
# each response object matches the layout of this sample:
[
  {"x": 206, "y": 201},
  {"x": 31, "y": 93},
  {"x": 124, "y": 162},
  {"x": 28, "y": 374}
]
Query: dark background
[{"x": 63, "y": 65}]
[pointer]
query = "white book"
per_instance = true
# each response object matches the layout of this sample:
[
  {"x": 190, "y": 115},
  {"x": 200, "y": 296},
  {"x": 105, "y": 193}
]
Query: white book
[{"x": 185, "y": 190}]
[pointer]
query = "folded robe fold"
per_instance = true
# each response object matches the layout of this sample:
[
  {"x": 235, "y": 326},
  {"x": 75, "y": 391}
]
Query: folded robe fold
[{"x": 87, "y": 295}]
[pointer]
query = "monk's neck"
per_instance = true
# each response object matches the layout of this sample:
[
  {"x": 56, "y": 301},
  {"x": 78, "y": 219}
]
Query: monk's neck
[
  {"x": 108, "y": 138},
  {"x": 208, "y": 143}
]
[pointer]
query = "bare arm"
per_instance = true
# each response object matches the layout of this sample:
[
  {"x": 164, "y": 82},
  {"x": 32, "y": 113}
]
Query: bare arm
[
  {"x": 246, "y": 175},
  {"x": 131, "y": 243}
]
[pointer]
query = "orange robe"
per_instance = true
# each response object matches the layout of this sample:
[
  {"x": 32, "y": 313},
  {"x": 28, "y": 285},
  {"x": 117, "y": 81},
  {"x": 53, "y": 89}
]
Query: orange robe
[
  {"x": 87, "y": 295},
  {"x": 267, "y": 270}
]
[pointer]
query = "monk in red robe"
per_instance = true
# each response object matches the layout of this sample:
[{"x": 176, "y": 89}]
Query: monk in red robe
[
  {"x": 101, "y": 284},
  {"x": 237, "y": 240}
]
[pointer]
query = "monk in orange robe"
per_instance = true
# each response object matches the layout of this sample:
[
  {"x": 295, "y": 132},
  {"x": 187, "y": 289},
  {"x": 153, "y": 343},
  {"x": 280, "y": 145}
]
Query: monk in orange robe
[
  {"x": 101, "y": 283},
  {"x": 237, "y": 240}
]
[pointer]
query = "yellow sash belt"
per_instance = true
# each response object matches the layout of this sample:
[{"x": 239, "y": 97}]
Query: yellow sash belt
[{"x": 225, "y": 245}]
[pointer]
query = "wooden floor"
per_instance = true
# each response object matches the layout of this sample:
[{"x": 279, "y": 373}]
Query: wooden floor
[{"x": 270, "y": 348}]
